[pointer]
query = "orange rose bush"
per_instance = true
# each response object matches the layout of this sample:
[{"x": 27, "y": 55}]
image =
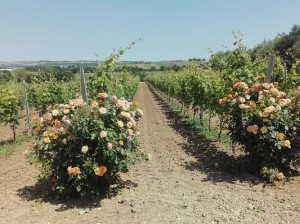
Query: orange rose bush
[
  {"x": 265, "y": 121},
  {"x": 81, "y": 147}
]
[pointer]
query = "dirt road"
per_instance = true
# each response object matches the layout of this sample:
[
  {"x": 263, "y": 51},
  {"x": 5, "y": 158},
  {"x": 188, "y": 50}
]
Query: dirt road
[{"x": 184, "y": 182}]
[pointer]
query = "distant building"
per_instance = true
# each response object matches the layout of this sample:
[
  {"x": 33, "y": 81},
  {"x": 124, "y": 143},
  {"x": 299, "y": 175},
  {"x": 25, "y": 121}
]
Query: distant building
[{"x": 7, "y": 69}]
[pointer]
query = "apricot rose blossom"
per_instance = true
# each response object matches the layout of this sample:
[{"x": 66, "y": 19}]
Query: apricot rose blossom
[{"x": 253, "y": 129}]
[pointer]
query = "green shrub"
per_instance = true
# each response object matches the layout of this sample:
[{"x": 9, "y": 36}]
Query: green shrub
[
  {"x": 81, "y": 148},
  {"x": 265, "y": 121}
]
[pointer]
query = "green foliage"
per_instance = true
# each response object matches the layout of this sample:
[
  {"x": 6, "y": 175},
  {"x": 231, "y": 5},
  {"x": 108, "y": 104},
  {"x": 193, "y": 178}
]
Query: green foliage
[
  {"x": 104, "y": 79},
  {"x": 55, "y": 73},
  {"x": 270, "y": 174},
  {"x": 126, "y": 85},
  {"x": 43, "y": 74},
  {"x": 196, "y": 87},
  {"x": 9, "y": 109},
  {"x": 7, "y": 148},
  {"x": 50, "y": 92},
  {"x": 5, "y": 76},
  {"x": 22, "y": 74},
  {"x": 285, "y": 45}
]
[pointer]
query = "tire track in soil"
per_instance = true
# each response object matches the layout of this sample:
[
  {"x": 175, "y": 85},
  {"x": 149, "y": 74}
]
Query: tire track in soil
[{"x": 175, "y": 186}]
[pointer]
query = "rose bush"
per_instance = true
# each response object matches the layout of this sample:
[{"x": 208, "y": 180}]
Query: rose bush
[
  {"x": 81, "y": 147},
  {"x": 265, "y": 121}
]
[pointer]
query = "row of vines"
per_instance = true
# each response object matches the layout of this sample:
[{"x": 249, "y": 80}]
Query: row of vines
[
  {"x": 41, "y": 94},
  {"x": 261, "y": 117}
]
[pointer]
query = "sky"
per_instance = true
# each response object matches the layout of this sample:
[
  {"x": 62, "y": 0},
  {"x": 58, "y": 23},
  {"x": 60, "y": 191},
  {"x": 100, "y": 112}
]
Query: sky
[{"x": 33, "y": 30}]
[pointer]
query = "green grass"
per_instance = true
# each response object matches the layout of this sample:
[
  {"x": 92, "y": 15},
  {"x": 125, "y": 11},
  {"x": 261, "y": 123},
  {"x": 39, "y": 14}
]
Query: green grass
[
  {"x": 8, "y": 147},
  {"x": 202, "y": 128},
  {"x": 259, "y": 210}
]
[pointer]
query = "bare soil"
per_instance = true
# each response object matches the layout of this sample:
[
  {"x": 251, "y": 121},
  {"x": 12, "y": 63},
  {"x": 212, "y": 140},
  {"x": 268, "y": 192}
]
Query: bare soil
[
  {"x": 6, "y": 133},
  {"x": 187, "y": 180}
]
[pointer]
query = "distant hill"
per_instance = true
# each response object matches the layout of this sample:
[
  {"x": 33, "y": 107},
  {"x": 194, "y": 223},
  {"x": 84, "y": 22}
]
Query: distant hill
[{"x": 140, "y": 64}]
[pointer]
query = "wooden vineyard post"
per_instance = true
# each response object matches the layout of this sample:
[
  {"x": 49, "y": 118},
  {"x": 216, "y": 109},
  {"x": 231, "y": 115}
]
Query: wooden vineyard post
[
  {"x": 284, "y": 76},
  {"x": 209, "y": 120},
  {"x": 19, "y": 107},
  {"x": 116, "y": 86},
  {"x": 201, "y": 115},
  {"x": 83, "y": 85},
  {"x": 270, "y": 68},
  {"x": 26, "y": 106}
]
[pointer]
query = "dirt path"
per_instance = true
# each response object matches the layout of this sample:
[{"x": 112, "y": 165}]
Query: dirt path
[{"x": 184, "y": 182}]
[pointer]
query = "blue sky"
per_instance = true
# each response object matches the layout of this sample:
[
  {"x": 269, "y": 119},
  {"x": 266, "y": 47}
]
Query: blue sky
[{"x": 171, "y": 29}]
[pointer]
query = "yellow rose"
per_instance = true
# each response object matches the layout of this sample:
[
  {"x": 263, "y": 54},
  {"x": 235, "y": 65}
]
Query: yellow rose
[
  {"x": 269, "y": 109},
  {"x": 55, "y": 112},
  {"x": 264, "y": 129},
  {"x": 120, "y": 124},
  {"x": 280, "y": 176},
  {"x": 242, "y": 106},
  {"x": 122, "y": 114},
  {"x": 67, "y": 106},
  {"x": 103, "y": 95},
  {"x": 265, "y": 114},
  {"x": 280, "y": 136},
  {"x": 66, "y": 111},
  {"x": 284, "y": 102},
  {"x": 47, "y": 140},
  {"x": 129, "y": 124},
  {"x": 94, "y": 104},
  {"x": 84, "y": 149},
  {"x": 242, "y": 100},
  {"x": 266, "y": 85},
  {"x": 272, "y": 100},
  {"x": 78, "y": 102},
  {"x": 262, "y": 105},
  {"x": 286, "y": 143},
  {"x": 275, "y": 92},
  {"x": 252, "y": 104}
]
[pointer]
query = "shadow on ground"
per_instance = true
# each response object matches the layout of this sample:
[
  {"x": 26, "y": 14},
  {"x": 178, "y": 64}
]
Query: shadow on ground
[
  {"x": 217, "y": 164},
  {"x": 41, "y": 192}
]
